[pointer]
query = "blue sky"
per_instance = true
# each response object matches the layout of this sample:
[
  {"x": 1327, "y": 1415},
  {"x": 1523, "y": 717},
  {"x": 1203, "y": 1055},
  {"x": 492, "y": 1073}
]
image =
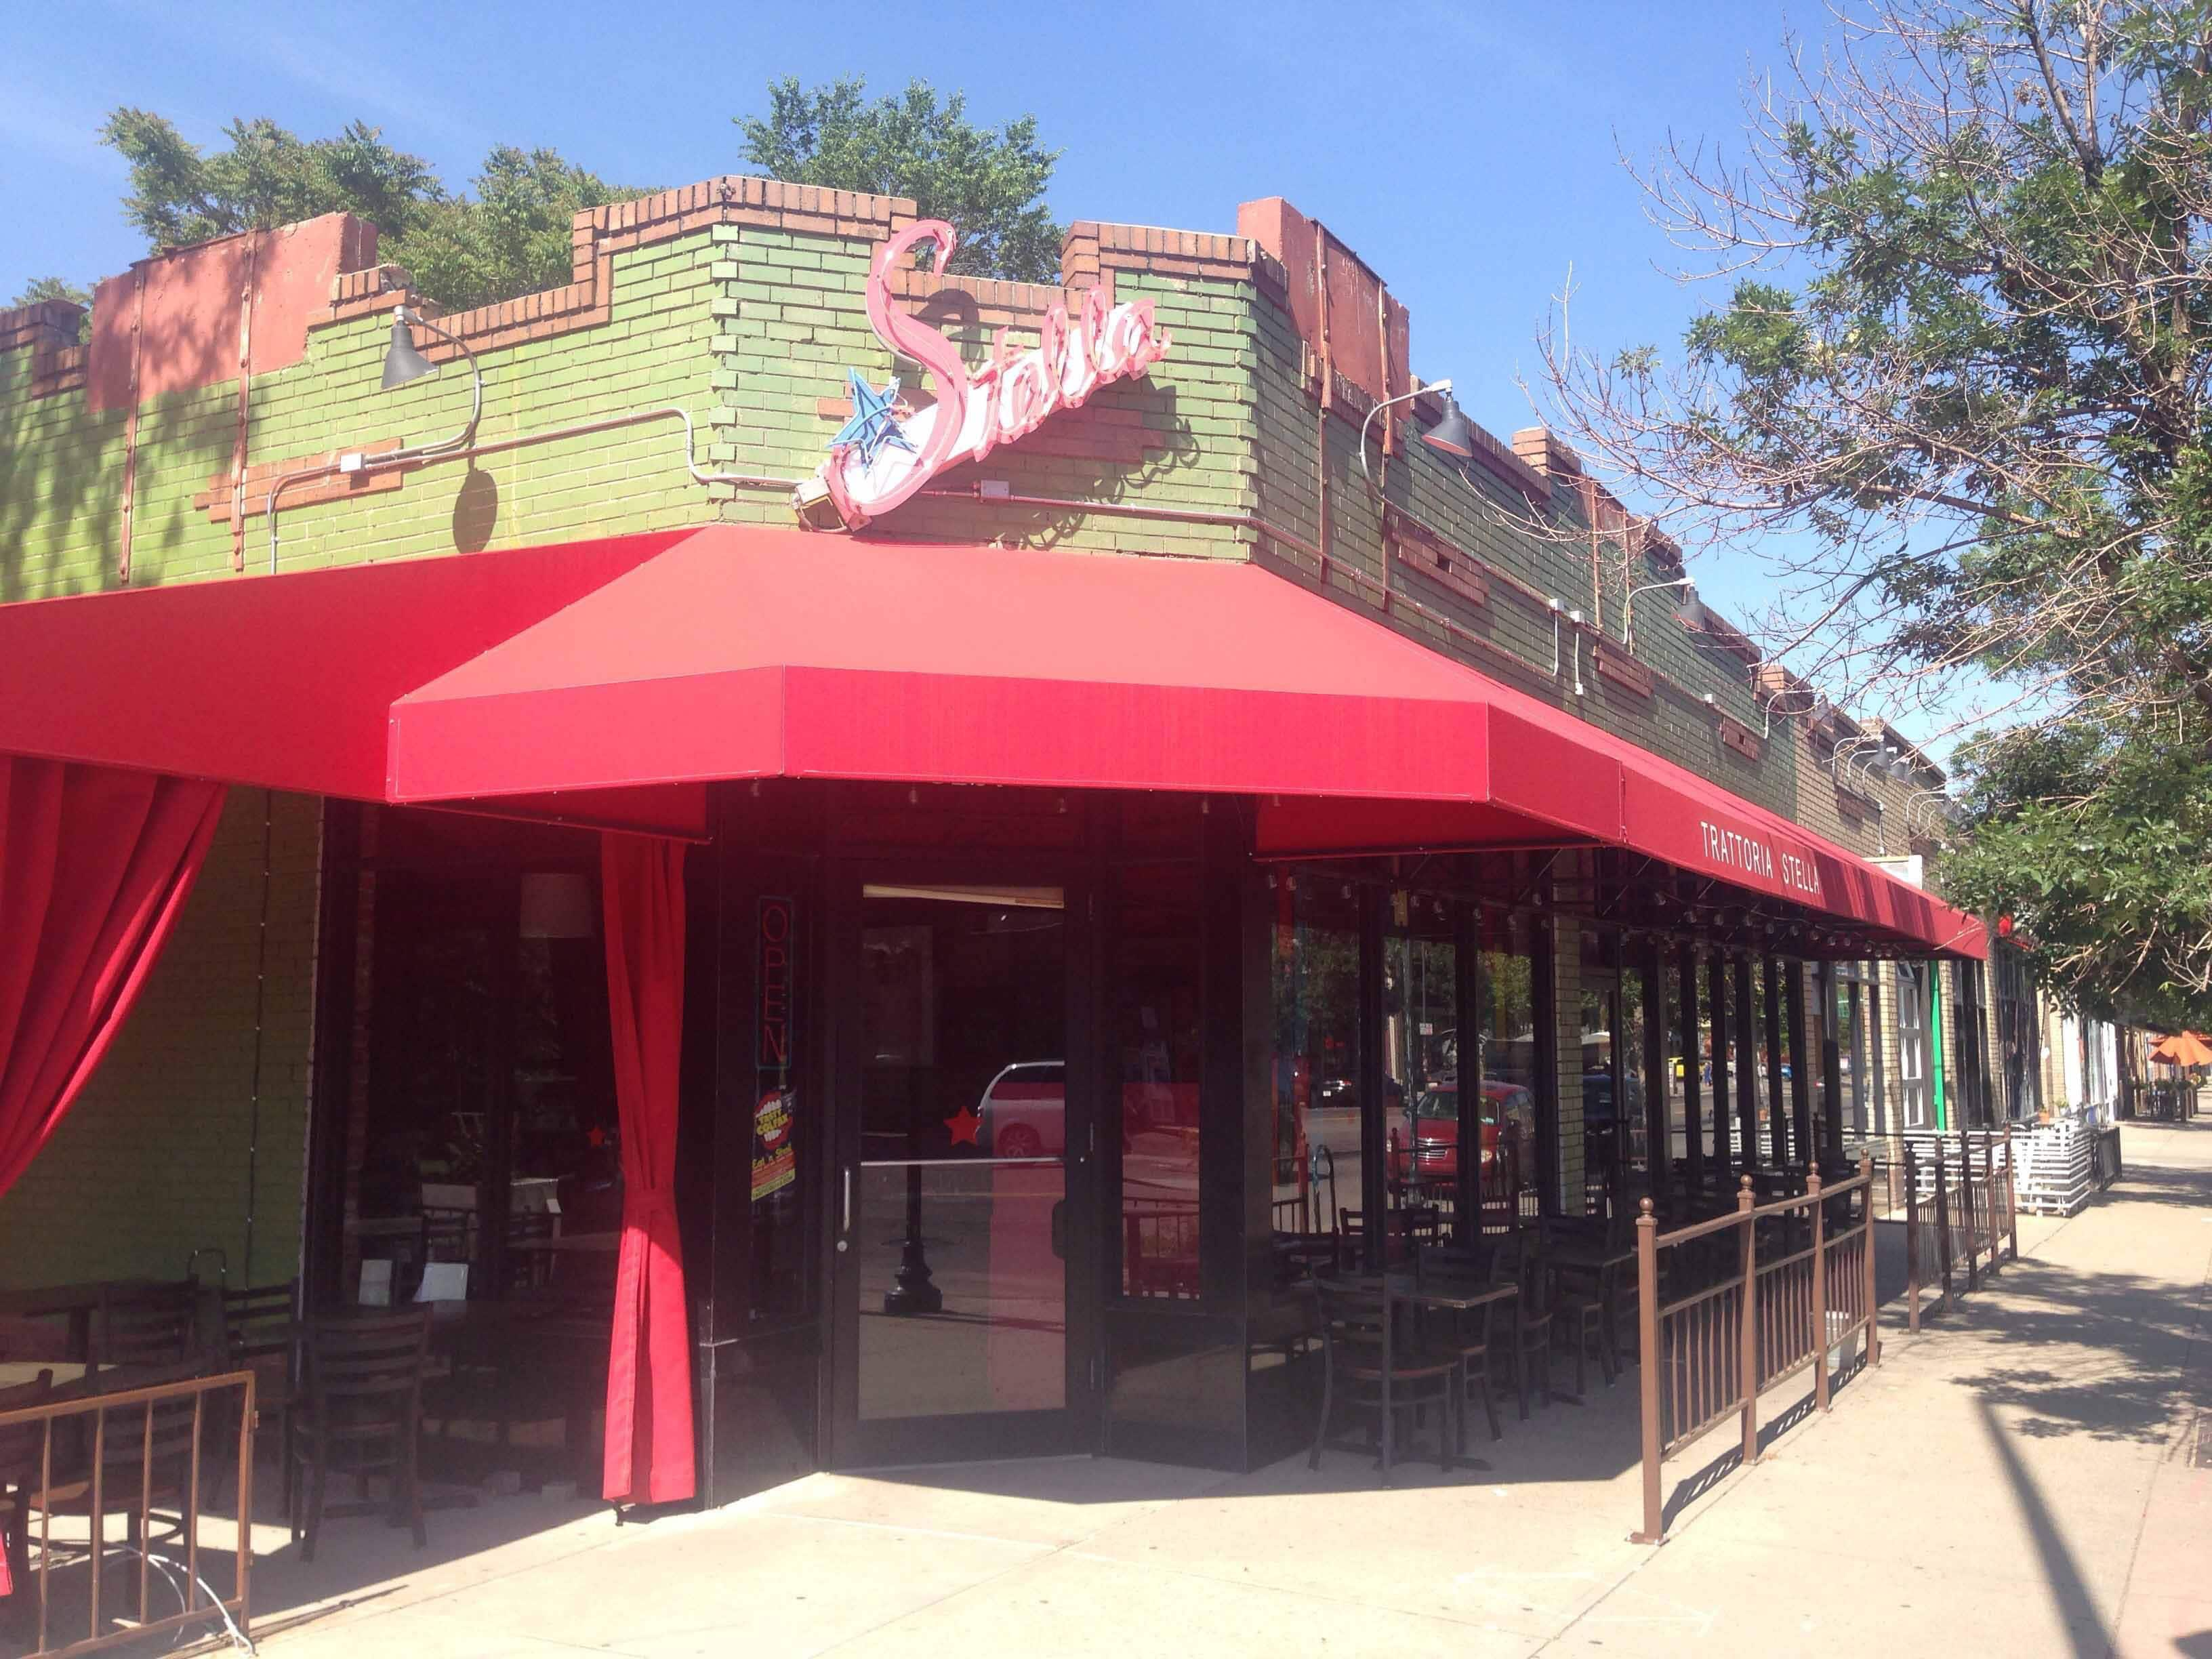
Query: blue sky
[{"x": 1470, "y": 152}]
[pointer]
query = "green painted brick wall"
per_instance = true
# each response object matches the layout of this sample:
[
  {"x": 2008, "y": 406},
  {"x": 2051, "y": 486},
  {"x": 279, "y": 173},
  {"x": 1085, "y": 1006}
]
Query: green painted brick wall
[
  {"x": 162, "y": 1154},
  {"x": 747, "y": 329}
]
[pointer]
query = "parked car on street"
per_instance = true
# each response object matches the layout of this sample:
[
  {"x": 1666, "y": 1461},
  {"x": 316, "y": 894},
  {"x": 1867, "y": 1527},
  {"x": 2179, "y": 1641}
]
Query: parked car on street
[
  {"x": 1431, "y": 1150},
  {"x": 1024, "y": 1111}
]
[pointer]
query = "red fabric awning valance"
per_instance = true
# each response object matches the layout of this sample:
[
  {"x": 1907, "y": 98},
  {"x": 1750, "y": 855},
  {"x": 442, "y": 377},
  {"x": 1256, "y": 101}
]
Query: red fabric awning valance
[{"x": 592, "y": 680}]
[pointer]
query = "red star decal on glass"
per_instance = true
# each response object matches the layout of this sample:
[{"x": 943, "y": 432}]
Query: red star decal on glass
[
  {"x": 963, "y": 1126},
  {"x": 596, "y": 1136}
]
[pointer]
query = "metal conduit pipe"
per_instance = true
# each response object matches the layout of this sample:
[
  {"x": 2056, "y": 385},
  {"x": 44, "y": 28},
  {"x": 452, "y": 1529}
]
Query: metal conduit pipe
[{"x": 396, "y": 459}]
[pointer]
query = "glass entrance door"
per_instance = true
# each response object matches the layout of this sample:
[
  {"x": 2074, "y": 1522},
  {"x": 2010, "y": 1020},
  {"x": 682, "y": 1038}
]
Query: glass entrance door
[{"x": 953, "y": 1239}]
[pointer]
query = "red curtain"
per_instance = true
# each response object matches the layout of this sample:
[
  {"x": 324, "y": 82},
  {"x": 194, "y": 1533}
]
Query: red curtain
[
  {"x": 94, "y": 864},
  {"x": 649, "y": 1365}
]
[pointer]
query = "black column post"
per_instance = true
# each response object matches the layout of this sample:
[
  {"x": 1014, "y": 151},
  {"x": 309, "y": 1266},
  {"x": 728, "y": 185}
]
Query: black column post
[
  {"x": 1777, "y": 1110},
  {"x": 1831, "y": 1065},
  {"x": 1747, "y": 1068},
  {"x": 1716, "y": 994},
  {"x": 1374, "y": 1139},
  {"x": 1658, "y": 1150},
  {"x": 1803, "y": 1057},
  {"x": 1693, "y": 1129},
  {"x": 1466, "y": 942},
  {"x": 1544, "y": 999}
]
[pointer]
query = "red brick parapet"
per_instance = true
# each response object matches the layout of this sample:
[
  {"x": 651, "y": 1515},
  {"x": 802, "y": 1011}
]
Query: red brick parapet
[
  {"x": 48, "y": 331},
  {"x": 600, "y": 233}
]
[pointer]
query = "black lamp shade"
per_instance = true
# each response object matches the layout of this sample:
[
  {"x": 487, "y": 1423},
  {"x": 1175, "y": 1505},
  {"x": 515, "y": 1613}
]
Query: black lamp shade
[
  {"x": 402, "y": 362},
  {"x": 1693, "y": 609},
  {"x": 1452, "y": 434}
]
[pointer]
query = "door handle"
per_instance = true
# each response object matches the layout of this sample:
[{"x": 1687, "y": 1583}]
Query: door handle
[{"x": 845, "y": 1210}]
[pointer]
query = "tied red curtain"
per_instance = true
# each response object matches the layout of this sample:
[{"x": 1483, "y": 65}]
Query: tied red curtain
[
  {"x": 649, "y": 1456},
  {"x": 94, "y": 866}
]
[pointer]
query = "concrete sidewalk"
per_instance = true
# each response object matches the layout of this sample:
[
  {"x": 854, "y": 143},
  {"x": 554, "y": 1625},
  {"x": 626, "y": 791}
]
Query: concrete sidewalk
[{"x": 2028, "y": 1476}]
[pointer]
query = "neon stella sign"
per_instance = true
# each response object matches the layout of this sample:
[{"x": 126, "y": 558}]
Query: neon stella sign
[
  {"x": 1733, "y": 850},
  {"x": 886, "y": 453}
]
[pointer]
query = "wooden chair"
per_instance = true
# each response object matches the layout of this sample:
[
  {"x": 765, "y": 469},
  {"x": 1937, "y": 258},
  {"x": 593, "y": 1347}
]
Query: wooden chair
[
  {"x": 1471, "y": 1334},
  {"x": 21, "y": 1456},
  {"x": 146, "y": 1325},
  {"x": 529, "y": 1269},
  {"x": 1368, "y": 1366},
  {"x": 139, "y": 1458},
  {"x": 1585, "y": 1314},
  {"x": 448, "y": 1235},
  {"x": 1515, "y": 1264},
  {"x": 260, "y": 1336},
  {"x": 362, "y": 1415}
]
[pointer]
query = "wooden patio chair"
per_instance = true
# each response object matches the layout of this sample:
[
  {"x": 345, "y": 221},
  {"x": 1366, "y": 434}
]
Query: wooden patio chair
[
  {"x": 20, "y": 1454},
  {"x": 259, "y": 1335},
  {"x": 146, "y": 1324},
  {"x": 1470, "y": 1335},
  {"x": 1369, "y": 1367},
  {"x": 362, "y": 1415},
  {"x": 133, "y": 1460},
  {"x": 1515, "y": 1263}
]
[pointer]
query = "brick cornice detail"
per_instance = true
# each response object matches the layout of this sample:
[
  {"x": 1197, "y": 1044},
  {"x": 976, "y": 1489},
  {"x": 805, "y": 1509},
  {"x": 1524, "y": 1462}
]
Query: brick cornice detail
[
  {"x": 1442, "y": 562},
  {"x": 990, "y": 302},
  {"x": 1615, "y": 664},
  {"x": 215, "y": 500},
  {"x": 1090, "y": 249},
  {"x": 48, "y": 331},
  {"x": 598, "y": 234},
  {"x": 1736, "y": 735}
]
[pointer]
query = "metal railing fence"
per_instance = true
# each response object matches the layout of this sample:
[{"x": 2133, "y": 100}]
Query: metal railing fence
[{"x": 78, "y": 1453}]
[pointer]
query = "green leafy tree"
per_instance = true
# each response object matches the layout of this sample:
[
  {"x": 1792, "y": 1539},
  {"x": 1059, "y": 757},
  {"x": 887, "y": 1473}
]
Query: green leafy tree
[
  {"x": 988, "y": 185},
  {"x": 1961, "y": 357},
  {"x": 43, "y": 289},
  {"x": 511, "y": 237},
  {"x": 267, "y": 177}
]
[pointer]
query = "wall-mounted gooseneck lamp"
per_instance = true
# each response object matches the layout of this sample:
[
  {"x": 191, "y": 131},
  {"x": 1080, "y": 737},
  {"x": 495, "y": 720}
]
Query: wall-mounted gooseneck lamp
[
  {"x": 1690, "y": 606},
  {"x": 1929, "y": 797},
  {"x": 403, "y": 362},
  {"x": 1451, "y": 434}
]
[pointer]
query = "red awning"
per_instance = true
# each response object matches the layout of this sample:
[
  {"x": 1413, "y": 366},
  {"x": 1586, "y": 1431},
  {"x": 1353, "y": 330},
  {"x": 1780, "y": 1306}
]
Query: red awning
[
  {"x": 584, "y": 681},
  {"x": 284, "y": 681}
]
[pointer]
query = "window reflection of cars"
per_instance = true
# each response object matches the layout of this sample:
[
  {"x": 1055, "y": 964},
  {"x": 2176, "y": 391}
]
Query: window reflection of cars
[
  {"x": 1597, "y": 1098},
  {"x": 1024, "y": 1111},
  {"x": 1434, "y": 1144}
]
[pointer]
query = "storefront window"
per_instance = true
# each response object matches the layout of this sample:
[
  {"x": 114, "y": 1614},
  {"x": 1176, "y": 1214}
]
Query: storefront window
[
  {"x": 1158, "y": 1029},
  {"x": 1421, "y": 1051},
  {"x": 1630, "y": 1047},
  {"x": 1315, "y": 958},
  {"x": 1506, "y": 1060},
  {"x": 1912, "y": 1055},
  {"x": 1609, "y": 1093},
  {"x": 489, "y": 1149},
  {"x": 1850, "y": 1042},
  {"x": 1678, "y": 1139},
  {"x": 1722, "y": 1037}
]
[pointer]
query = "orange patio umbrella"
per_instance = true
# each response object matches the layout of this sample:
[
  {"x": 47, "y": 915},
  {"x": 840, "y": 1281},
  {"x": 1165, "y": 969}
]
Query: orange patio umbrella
[{"x": 2183, "y": 1049}]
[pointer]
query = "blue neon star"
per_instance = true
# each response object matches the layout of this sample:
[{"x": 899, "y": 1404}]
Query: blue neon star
[{"x": 875, "y": 420}]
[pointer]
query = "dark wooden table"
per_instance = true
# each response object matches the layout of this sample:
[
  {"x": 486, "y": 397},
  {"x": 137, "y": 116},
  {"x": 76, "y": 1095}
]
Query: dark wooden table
[{"x": 77, "y": 1303}]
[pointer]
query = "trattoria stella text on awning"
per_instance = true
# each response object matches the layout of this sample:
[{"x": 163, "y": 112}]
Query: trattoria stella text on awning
[{"x": 1734, "y": 851}]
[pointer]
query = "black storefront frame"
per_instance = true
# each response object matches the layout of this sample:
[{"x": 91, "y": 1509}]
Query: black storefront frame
[
  {"x": 848, "y": 1440},
  {"x": 799, "y": 850}
]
